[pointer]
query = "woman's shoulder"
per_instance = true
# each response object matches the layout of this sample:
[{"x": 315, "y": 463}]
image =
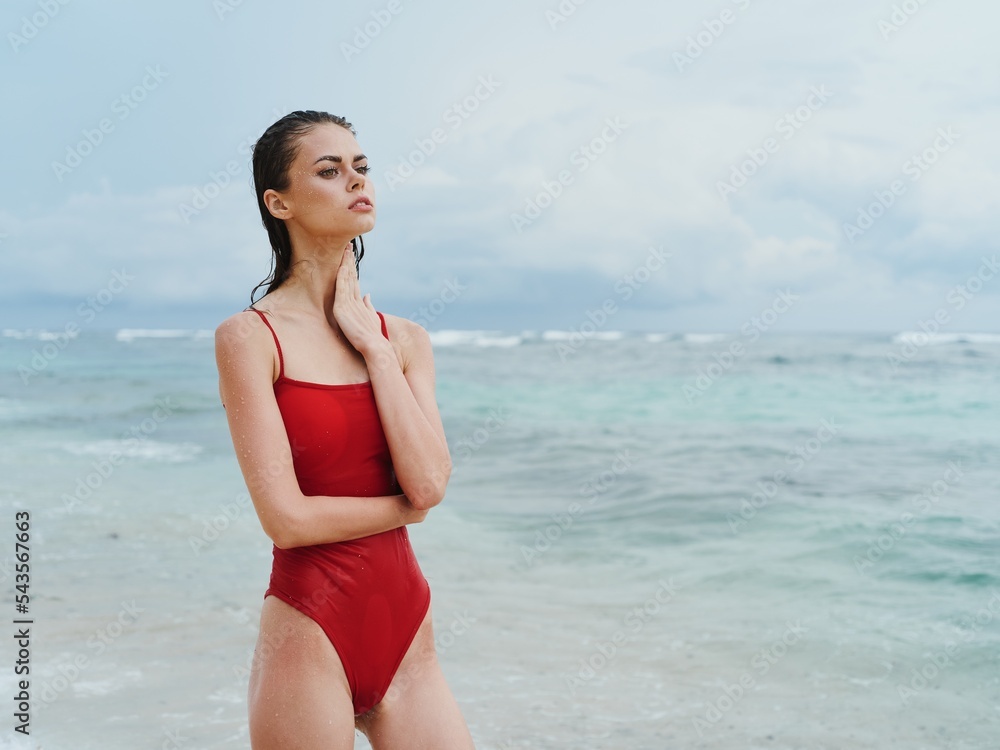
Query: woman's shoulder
[
  {"x": 241, "y": 327},
  {"x": 410, "y": 339},
  {"x": 404, "y": 331}
]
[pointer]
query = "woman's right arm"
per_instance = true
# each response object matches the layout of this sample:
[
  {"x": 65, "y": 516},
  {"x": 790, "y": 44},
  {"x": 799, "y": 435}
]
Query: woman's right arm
[{"x": 243, "y": 354}]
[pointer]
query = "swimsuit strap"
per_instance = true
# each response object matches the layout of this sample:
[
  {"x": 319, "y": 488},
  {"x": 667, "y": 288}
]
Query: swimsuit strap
[
  {"x": 381, "y": 317},
  {"x": 281, "y": 360}
]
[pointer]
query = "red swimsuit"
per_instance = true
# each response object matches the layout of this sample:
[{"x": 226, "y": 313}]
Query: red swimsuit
[{"x": 369, "y": 594}]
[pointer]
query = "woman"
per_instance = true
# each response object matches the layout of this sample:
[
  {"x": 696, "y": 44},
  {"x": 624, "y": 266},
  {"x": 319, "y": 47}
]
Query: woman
[{"x": 333, "y": 417}]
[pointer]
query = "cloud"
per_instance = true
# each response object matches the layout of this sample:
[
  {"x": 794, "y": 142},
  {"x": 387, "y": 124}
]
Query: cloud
[{"x": 536, "y": 143}]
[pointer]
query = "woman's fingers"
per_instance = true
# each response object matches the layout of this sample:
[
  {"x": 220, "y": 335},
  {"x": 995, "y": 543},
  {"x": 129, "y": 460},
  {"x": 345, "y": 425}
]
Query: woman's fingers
[
  {"x": 354, "y": 313},
  {"x": 348, "y": 266}
]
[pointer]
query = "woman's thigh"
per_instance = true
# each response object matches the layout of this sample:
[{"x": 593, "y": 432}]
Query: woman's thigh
[
  {"x": 418, "y": 710},
  {"x": 298, "y": 698}
]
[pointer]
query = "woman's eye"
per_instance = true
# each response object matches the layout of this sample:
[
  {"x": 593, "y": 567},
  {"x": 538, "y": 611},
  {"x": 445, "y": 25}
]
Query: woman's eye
[{"x": 333, "y": 170}]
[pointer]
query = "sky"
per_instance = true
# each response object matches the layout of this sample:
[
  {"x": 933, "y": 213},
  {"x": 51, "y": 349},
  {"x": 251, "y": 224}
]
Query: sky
[{"x": 646, "y": 165}]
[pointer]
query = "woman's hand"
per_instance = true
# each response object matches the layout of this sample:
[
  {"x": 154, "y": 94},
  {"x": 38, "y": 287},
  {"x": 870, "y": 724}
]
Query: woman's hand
[{"x": 354, "y": 313}]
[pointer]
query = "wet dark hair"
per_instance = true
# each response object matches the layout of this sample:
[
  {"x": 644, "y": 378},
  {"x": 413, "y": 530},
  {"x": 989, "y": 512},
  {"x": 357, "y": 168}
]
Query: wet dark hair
[{"x": 273, "y": 154}]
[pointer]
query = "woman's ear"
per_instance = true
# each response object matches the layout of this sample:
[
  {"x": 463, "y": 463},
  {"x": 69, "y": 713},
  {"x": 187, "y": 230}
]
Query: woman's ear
[{"x": 275, "y": 205}]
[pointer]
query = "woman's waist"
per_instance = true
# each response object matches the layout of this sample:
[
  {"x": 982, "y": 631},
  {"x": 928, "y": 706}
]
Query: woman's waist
[
  {"x": 385, "y": 549},
  {"x": 367, "y": 564}
]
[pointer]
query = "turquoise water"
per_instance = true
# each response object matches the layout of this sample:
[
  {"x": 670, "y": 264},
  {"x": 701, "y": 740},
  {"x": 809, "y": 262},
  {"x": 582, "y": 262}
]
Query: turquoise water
[{"x": 646, "y": 543}]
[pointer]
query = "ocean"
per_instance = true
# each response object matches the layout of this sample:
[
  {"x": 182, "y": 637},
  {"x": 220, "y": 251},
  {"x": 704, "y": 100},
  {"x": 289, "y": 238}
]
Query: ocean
[{"x": 787, "y": 541}]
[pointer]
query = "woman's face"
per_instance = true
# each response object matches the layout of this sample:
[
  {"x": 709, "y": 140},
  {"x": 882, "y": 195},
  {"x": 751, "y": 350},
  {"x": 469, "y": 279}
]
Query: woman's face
[{"x": 329, "y": 174}]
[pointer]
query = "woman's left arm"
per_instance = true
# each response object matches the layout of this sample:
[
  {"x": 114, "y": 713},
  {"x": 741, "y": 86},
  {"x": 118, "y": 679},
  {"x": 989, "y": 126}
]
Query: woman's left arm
[
  {"x": 407, "y": 407},
  {"x": 404, "y": 390}
]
